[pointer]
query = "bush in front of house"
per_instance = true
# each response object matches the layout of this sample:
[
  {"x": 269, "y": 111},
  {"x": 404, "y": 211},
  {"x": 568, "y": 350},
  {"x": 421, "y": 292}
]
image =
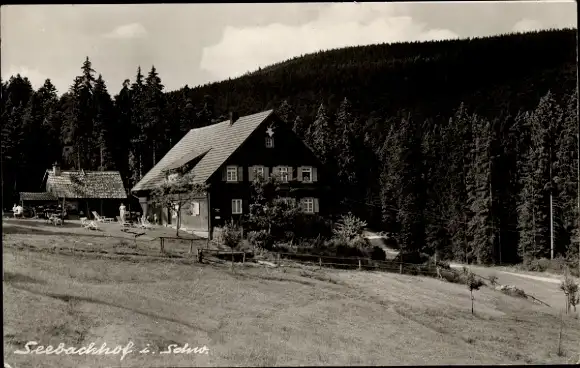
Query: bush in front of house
[
  {"x": 349, "y": 227},
  {"x": 261, "y": 239},
  {"x": 309, "y": 226},
  {"x": 231, "y": 235}
]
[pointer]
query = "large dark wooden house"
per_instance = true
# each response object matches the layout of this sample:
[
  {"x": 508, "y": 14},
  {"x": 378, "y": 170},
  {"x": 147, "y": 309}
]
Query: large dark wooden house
[{"x": 227, "y": 156}]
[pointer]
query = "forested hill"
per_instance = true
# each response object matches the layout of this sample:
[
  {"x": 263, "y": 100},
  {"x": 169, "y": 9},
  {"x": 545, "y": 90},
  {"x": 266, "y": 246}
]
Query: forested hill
[
  {"x": 455, "y": 146},
  {"x": 429, "y": 78}
]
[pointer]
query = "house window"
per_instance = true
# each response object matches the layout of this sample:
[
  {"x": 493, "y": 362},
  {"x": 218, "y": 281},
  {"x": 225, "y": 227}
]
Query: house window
[
  {"x": 284, "y": 174},
  {"x": 308, "y": 205},
  {"x": 269, "y": 142},
  {"x": 232, "y": 173},
  {"x": 172, "y": 177},
  {"x": 236, "y": 206},
  {"x": 259, "y": 171},
  {"x": 307, "y": 174},
  {"x": 194, "y": 208},
  {"x": 286, "y": 200}
]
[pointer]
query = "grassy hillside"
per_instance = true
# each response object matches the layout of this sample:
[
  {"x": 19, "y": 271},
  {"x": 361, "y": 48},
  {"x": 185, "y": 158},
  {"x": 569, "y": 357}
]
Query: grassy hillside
[{"x": 265, "y": 317}]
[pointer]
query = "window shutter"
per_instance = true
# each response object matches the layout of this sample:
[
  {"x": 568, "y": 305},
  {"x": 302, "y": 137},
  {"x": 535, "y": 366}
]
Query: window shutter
[
  {"x": 315, "y": 200},
  {"x": 245, "y": 206},
  {"x": 225, "y": 173},
  {"x": 299, "y": 174},
  {"x": 290, "y": 173},
  {"x": 251, "y": 173},
  {"x": 233, "y": 208},
  {"x": 240, "y": 173},
  {"x": 266, "y": 172},
  {"x": 314, "y": 174}
]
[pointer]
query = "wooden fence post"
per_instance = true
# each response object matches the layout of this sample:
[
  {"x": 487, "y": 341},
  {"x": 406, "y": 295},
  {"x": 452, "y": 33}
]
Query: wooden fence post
[
  {"x": 161, "y": 239},
  {"x": 359, "y": 265},
  {"x": 320, "y": 262},
  {"x": 191, "y": 247},
  {"x": 401, "y": 265},
  {"x": 244, "y": 258}
]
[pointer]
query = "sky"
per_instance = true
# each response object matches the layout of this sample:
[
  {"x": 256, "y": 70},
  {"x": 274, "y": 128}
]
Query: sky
[{"x": 195, "y": 44}]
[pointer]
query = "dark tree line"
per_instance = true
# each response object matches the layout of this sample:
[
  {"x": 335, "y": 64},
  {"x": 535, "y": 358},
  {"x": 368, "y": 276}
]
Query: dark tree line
[{"x": 458, "y": 147}]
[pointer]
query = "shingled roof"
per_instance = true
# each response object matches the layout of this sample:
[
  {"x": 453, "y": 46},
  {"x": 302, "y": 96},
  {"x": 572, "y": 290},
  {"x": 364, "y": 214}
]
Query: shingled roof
[
  {"x": 215, "y": 142},
  {"x": 37, "y": 196},
  {"x": 87, "y": 184}
]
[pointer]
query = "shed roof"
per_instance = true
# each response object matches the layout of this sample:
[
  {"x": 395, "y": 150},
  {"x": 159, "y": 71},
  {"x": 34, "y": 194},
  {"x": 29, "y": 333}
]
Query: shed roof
[
  {"x": 86, "y": 184},
  {"x": 215, "y": 142},
  {"x": 37, "y": 196}
]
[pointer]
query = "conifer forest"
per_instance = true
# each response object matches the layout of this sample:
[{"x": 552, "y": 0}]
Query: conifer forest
[{"x": 468, "y": 148}]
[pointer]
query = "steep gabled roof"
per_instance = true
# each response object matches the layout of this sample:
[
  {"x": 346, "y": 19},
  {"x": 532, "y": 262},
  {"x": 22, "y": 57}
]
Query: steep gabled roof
[
  {"x": 86, "y": 184},
  {"x": 215, "y": 142}
]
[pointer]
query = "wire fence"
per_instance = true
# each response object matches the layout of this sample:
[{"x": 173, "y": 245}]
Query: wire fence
[{"x": 195, "y": 249}]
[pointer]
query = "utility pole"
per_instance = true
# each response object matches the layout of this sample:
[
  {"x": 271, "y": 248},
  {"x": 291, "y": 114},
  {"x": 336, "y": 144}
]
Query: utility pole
[
  {"x": 551, "y": 208},
  {"x": 551, "y": 228},
  {"x": 101, "y": 163},
  {"x": 578, "y": 195}
]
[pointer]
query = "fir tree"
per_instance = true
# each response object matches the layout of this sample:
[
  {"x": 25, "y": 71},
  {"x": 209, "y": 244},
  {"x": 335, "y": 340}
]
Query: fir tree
[
  {"x": 320, "y": 136},
  {"x": 104, "y": 127},
  {"x": 481, "y": 224},
  {"x": 154, "y": 124}
]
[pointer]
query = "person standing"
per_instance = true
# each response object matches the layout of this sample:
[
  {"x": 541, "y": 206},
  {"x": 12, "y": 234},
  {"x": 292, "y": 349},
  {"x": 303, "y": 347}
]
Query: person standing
[{"x": 122, "y": 212}]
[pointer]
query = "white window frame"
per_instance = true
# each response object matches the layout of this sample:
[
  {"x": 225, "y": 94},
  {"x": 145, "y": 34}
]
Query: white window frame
[
  {"x": 308, "y": 205},
  {"x": 309, "y": 170},
  {"x": 284, "y": 174},
  {"x": 232, "y": 173},
  {"x": 172, "y": 177},
  {"x": 269, "y": 142},
  {"x": 194, "y": 205},
  {"x": 259, "y": 171},
  {"x": 237, "y": 205}
]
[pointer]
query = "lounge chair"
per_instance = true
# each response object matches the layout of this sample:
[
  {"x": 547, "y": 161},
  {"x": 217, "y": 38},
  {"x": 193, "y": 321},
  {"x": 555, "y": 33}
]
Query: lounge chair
[
  {"x": 124, "y": 224},
  {"x": 92, "y": 225},
  {"x": 55, "y": 219},
  {"x": 143, "y": 223},
  {"x": 102, "y": 218}
]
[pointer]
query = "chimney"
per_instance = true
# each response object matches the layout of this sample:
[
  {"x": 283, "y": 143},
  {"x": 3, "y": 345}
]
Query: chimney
[
  {"x": 233, "y": 117},
  {"x": 56, "y": 169}
]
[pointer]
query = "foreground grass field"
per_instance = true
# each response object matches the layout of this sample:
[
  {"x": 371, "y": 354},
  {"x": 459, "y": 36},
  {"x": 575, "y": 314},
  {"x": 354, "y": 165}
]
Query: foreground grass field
[{"x": 264, "y": 317}]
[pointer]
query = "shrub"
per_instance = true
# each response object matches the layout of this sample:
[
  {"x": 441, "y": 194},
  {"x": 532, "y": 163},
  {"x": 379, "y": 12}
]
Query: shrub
[
  {"x": 537, "y": 265},
  {"x": 261, "y": 239},
  {"x": 557, "y": 265},
  {"x": 308, "y": 226},
  {"x": 359, "y": 242},
  {"x": 493, "y": 280},
  {"x": 512, "y": 290},
  {"x": 570, "y": 289},
  {"x": 231, "y": 235},
  {"x": 452, "y": 276},
  {"x": 473, "y": 283},
  {"x": 378, "y": 254},
  {"x": 414, "y": 257},
  {"x": 349, "y": 227}
]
